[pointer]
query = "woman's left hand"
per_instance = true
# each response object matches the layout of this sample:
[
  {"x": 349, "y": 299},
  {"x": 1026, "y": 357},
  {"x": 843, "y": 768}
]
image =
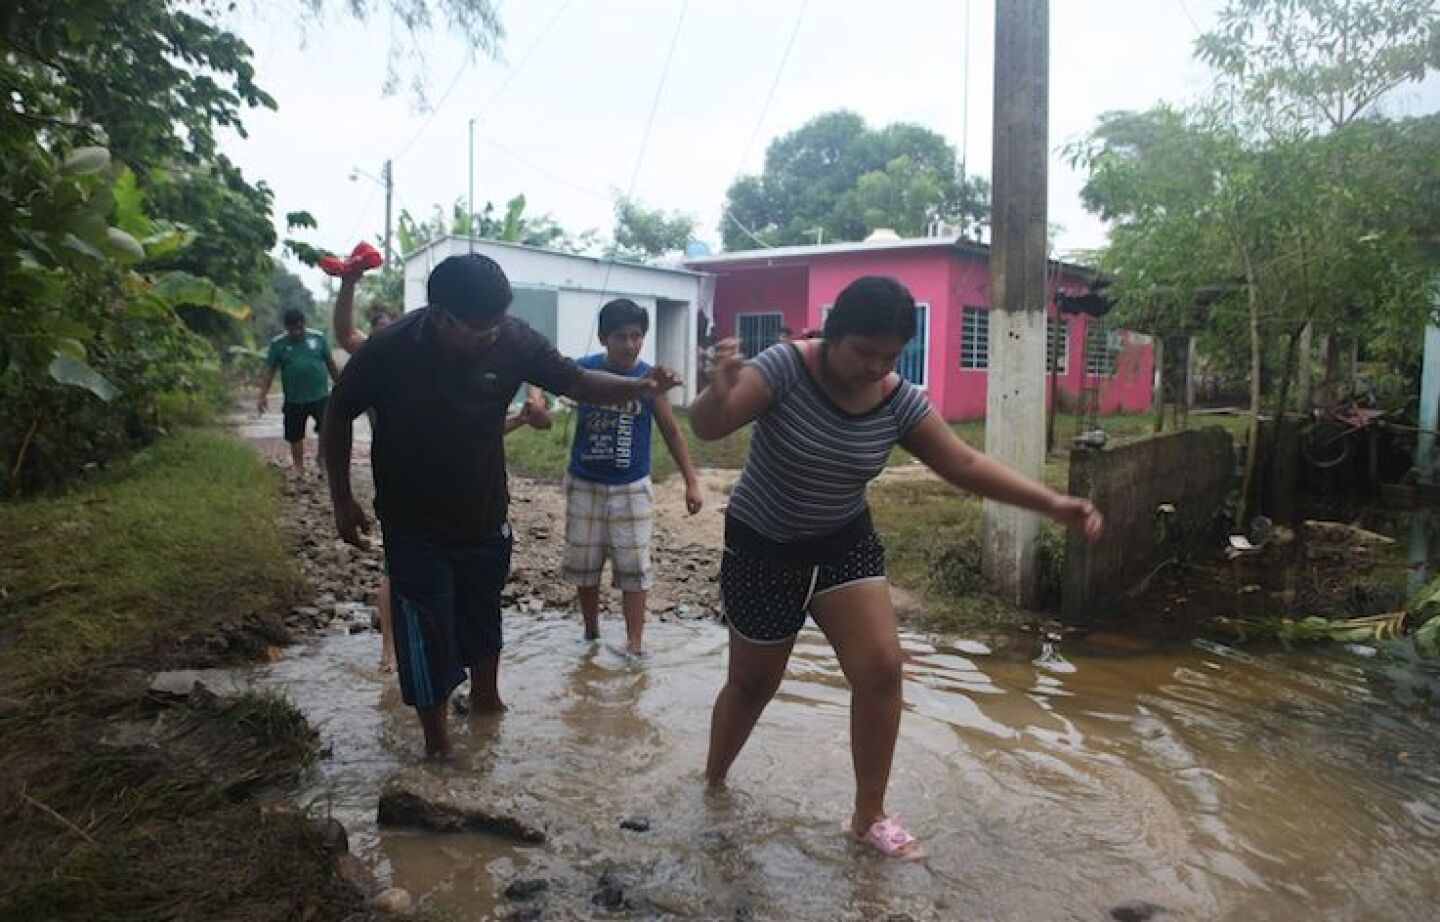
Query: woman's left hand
[{"x": 1079, "y": 514}]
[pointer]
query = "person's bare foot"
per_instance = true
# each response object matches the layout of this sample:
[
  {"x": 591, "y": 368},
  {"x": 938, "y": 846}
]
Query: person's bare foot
[{"x": 480, "y": 705}]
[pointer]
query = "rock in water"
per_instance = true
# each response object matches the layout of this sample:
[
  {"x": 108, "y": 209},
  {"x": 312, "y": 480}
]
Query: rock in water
[
  {"x": 419, "y": 802},
  {"x": 181, "y": 683},
  {"x": 1137, "y": 911},
  {"x": 395, "y": 901},
  {"x": 526, "y": 889}
]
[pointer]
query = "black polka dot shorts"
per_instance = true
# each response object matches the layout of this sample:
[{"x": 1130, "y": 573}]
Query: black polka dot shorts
[{"x": 767, "y": 601}]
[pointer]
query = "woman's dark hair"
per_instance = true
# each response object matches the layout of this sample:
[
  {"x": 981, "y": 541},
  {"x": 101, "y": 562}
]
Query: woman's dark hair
[
  {"x": 622, "y": 312},
  {"x": 872, "y": 305},
  {"x": 472, "y": 288}
]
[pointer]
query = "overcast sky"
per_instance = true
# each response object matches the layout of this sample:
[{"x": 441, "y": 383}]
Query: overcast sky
[{"x": 562, "y": 114}]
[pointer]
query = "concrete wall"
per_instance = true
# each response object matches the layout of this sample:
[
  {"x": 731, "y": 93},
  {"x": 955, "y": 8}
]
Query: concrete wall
[{"x": 1192, "y": 471}]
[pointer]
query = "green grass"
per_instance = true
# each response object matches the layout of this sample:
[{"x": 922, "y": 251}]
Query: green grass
[
  {"x": 174, "y": 558},
  {"x": 179, "y": 544},
  {"x": 932, "y": 532},
  {"x": 545, "y": 453},
  {"x": 932, "y": 536}
]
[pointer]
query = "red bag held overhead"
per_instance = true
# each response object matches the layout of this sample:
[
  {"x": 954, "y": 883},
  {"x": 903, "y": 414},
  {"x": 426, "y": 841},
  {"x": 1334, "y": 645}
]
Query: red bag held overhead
[
  {"x": 361, "y": 259},
  {"x": 365, "y": 257}
]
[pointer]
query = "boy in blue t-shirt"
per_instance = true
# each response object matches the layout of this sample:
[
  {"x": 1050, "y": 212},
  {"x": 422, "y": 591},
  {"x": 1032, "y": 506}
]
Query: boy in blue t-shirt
[{"x": 607, "y": 487}]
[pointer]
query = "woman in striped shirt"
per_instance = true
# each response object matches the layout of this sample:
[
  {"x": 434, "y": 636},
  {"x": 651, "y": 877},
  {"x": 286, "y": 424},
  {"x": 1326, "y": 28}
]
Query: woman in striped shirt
[{"x": 798, "y": 535}]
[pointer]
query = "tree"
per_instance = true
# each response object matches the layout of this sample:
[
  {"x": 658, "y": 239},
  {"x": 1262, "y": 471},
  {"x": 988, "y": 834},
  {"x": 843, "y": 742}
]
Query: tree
[
  {"x": 119, "y": 217},
  {"x": 476, "y": 21},
  {"x": 1283, "y": 199},
  {"x": 643, "y": 233},
  {"x": 514, "y": 226},
  {"x": 1272, "y": 234},
  {"x": 1321, "y": 63},
  {"x": 835, "y": 178},
  {"x": 284, "y": 292}
]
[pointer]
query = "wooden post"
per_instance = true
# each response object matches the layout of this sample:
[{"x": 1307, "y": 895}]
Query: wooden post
[
  {"x": 1189, "y": 377},
  {"x": 1305, "y": 389},
  {"x": 1015, "y": 408}
]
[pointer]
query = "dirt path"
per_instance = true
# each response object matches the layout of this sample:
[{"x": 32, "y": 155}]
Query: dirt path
[
  {"x": 344, "y": 579},
  {"x": 687, "y": 551}
]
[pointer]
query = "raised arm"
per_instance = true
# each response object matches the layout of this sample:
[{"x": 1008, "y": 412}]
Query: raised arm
[
  {"x": 737, "y": 393},
  {"x": 945, "y": 453},
  {"x": 343, "y": 321}
]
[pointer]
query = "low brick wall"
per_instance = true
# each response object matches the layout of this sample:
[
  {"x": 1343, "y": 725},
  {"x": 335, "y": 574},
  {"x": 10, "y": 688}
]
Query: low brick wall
[{"x": 1193, "y": 471}]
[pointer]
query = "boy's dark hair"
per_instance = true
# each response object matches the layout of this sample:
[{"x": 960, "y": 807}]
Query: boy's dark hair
[
  {"x": 472, "y": 288},
  {"x": 293, "y": 316},
  {"x": 622, "y": 312},
  {"x": 872, "y": 305}
]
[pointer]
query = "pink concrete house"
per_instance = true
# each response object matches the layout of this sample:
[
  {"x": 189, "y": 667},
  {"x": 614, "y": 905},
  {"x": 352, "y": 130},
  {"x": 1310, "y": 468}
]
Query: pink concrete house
[{"x": 757, "y": 292}]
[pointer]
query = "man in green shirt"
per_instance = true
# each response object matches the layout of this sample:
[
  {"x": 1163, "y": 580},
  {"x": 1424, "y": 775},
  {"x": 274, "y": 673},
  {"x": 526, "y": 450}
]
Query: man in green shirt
[{"x": 306, "y": 370}]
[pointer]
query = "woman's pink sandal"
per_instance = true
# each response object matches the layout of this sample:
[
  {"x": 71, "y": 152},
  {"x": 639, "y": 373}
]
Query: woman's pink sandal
[{"x": 890, "y": 839}]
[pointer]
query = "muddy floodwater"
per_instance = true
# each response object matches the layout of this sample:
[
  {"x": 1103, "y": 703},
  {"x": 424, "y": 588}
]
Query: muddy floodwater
[{"x": 1214, "y": 783}]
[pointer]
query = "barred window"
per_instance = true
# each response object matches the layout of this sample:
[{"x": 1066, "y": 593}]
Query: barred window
[
  {"x": 1057, "y": 357},
  {"x": 1101, "y": 349},
  {"x": 974, "y": 337}
]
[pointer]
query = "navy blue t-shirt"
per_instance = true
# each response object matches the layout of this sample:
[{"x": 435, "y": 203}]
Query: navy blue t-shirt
[{"x": 612, "y": 444}]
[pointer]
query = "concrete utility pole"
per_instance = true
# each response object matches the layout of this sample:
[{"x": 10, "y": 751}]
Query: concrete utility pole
[
  {"x": 470, "y": 200},
  {"x": 1015, "y": 410},
  {"x": 388, "y": 176}
]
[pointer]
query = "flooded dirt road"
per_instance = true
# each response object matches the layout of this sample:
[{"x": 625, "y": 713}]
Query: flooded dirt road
[
  {"x": 1112, "y": 779},
  {"x": 1215, "y": 784}
]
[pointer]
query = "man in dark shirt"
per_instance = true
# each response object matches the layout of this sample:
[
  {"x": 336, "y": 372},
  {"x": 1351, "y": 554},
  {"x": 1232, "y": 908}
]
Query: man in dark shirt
[{"x": 440, "y": 381}]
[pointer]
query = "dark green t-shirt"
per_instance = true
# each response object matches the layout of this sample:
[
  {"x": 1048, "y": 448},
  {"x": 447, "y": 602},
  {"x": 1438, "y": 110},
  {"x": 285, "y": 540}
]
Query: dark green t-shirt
[{"x": 303, "y": 374}]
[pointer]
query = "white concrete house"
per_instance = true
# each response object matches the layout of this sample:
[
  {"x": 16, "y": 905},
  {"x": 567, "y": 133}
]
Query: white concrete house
[{"x": 560, "y": 295}]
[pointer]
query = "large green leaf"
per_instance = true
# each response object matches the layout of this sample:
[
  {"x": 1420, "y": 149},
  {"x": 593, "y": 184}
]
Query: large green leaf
[
  {"x": 166, "y": 237},
  {"x": 130, "y": 206},
  {"x": 67, "y": 370},
  {"x": 177, "y": 289},
  {"x": 1427, "y": 639},
  {"x": 83, "y": 160},
  {"x": 122, "y": 246}
]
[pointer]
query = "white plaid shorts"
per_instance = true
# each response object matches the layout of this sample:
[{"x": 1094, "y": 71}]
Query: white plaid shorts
[{"x": 608, "y": 520}]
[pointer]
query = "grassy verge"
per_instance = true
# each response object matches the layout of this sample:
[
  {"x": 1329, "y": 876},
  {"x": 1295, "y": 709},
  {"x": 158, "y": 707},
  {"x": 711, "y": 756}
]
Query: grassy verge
[
  {"x": 544, "y": 454},
  {"x": 932, "y": 548},
  {"x": 117, "y": 805},
  {"x": 932, "y": 532}
]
